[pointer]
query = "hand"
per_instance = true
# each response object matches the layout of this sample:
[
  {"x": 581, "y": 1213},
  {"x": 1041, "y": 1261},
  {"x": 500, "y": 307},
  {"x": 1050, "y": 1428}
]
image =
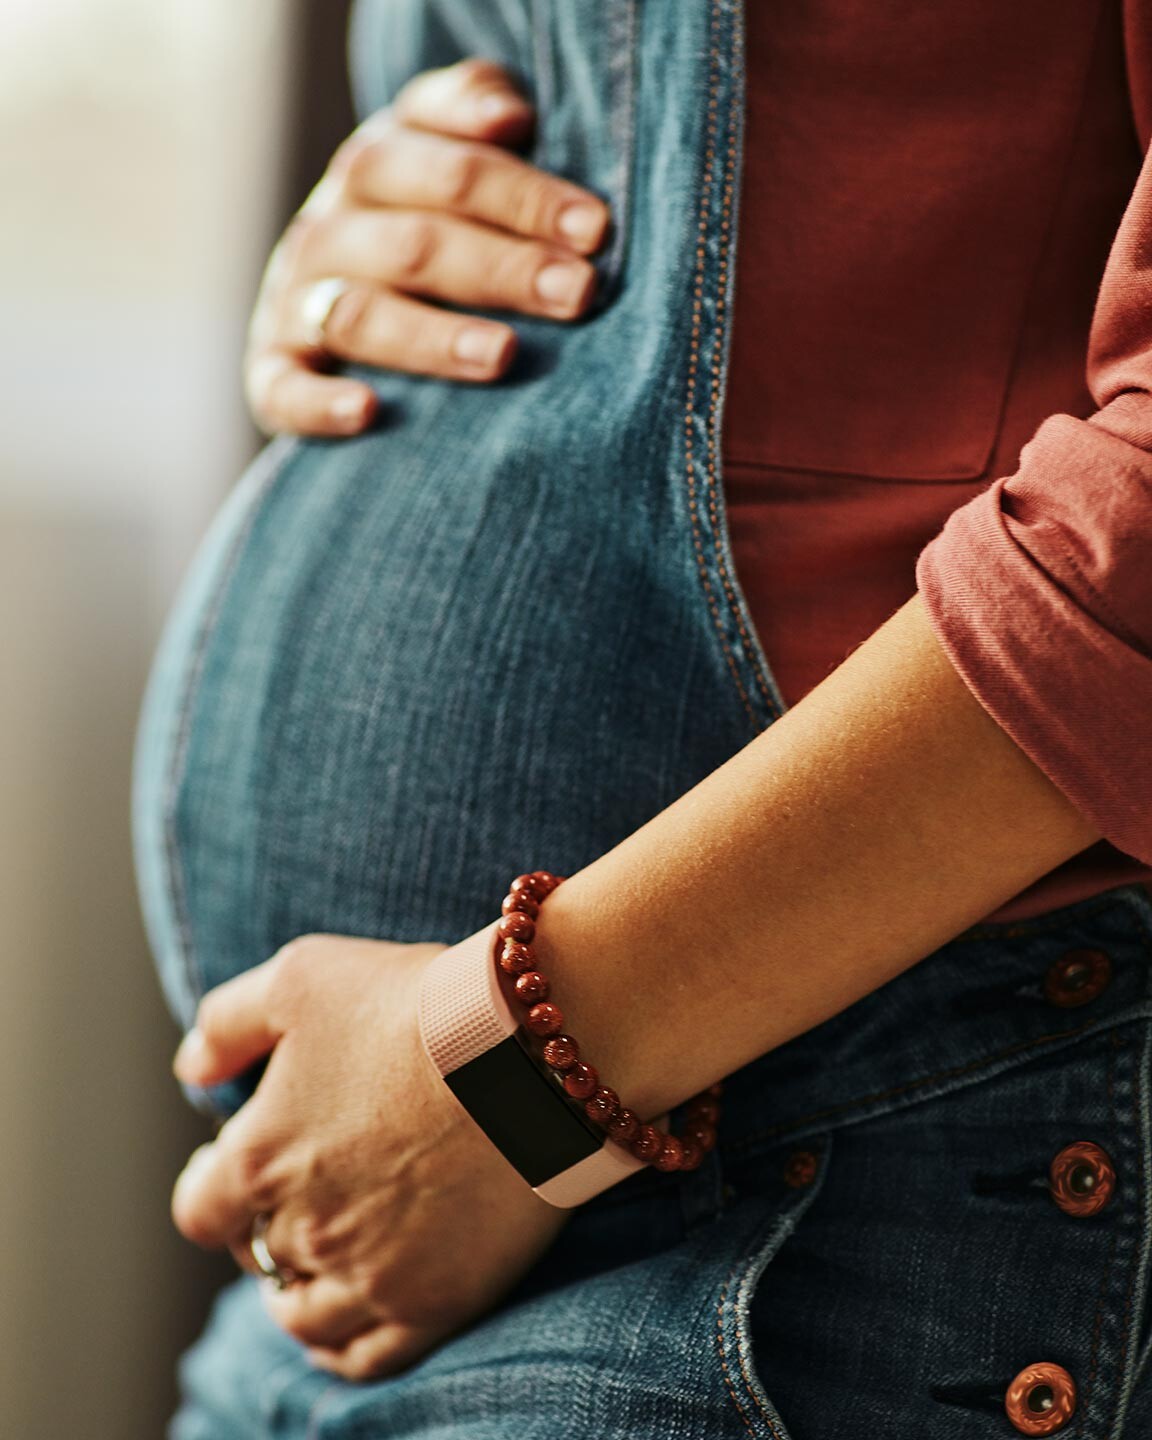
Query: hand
[
  {"x": 401, "y": 1218},
  {"x": 423, "y": 200}
]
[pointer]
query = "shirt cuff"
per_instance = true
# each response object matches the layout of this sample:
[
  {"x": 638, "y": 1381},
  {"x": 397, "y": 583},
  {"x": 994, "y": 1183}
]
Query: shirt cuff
[{"x": 1040, "y": 592}]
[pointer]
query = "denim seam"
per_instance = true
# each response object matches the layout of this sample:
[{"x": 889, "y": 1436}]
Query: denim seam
[
  {"x": 743, "y": 1265},
  {"x": 1113, "y": 1245},
  {"x": 1143, "y": 1282},
  {"x": 768, "y": 1420},
  {"x": 722, "y": 1349},
  {"x": 273, "y": 460},
  {"x": 718, "y": 368},
  {"x": 694, "y": 353},
  {"x": 622, "y": 60},
  {"x": 1126, "y": 1333},
  {"x": 1140, "y": 1012}
]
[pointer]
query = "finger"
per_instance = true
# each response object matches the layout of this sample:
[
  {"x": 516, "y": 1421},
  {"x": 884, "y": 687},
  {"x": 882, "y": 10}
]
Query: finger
[
  {"x": 401, "y": 168},
  {"x": 474, "y": 98},
  {"x": 235, "y": 1026},
  {"x": 384, "y": 1350},
  {"x": 285, "y": 394},
  {"x": 320, "y": 1312},
  {"x": 213, "y": 1201},
  {"x": 382, "y": 328},
  {"x": 445, "y": 258}
]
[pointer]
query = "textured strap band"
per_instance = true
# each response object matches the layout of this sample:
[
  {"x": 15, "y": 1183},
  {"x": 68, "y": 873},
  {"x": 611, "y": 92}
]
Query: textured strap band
[{"x": 471, "y": 1036}]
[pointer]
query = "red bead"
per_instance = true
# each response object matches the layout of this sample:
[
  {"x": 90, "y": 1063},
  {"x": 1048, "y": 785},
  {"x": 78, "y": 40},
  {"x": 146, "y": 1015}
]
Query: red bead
[
  {"x": 544, "y": 1019},
  {"x": 561, "y": 1052},
  {"x": 521, "y": 903},
  {"x": 702, "y": 1112},
  {"x": 530, "y": 987},
  {"x": 602, "y": 1106},
  {"x": 516, "y": 927},
  {"x": 516, "y": 958},
  {"x": 671, "y": 1153},
  {"x": 581, "y": 1081},
  {"x": 623, "y": 1125},
  {"x": 704, "y": 1136},
  {"x": 546, "y": 882},
  {"x": 526, "y": 885},
  {"x": 647, "y": 1143},
  {"x": 691, "y": 1155}
]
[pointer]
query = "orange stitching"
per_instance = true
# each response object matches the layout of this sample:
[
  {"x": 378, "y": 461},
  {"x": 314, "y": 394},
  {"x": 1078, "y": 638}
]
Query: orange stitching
[
  {"x": 1094, "y": 1355},
  {"x": 714, "y": 400},
  {"x": 720, "y": 1348},
  {"x": 1125, "y": 1328},
  {"x": 752, "y": 1391},
  {"x": 694, "y": 365}
]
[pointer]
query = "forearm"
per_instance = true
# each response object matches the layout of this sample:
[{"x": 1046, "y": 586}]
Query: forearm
[{"x": 872, "y": 823}]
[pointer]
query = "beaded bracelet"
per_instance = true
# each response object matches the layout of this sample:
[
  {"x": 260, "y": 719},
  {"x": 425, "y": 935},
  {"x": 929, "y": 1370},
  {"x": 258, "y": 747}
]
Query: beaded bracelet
[{"x": 581, "y": 1082}]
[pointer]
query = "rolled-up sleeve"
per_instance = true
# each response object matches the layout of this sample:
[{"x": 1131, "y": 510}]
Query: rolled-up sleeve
[{"x": 1040, "y": 588}]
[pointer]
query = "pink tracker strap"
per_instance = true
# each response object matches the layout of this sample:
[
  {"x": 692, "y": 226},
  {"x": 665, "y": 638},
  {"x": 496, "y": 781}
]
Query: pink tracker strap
[
  {"x": 462, "y": 1009},
  {"x": 462, "y": 1014}
]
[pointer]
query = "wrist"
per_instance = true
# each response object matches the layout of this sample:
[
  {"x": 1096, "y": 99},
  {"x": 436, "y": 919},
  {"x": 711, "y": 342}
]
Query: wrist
[
  {"x": 506, "y": 1050},
  {"x": 472, "y": 1036}
]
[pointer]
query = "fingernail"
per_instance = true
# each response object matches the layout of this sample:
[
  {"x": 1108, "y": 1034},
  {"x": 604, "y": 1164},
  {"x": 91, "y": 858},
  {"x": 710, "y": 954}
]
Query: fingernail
[
  {"x": 495, "y": 107},
  {"x": 190, "y": 1053},
  {"x": 479, "y": 346},
  {"x": 563, "y": 286},
  {"x": 582, "y": 223},
  {"x": 348, "y": 410}
]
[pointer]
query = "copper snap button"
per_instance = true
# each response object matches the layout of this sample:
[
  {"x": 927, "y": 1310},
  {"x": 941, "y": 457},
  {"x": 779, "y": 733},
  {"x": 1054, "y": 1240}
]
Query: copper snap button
[
  {"x": 1082, "y": 1178},
  {"x": 1041, "y": 1399},
  {"x": 1077, "y": 978},
  {"x": 800, "y": 1169}
]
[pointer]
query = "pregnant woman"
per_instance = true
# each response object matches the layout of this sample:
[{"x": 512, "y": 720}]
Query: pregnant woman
[{"x": 714, "y": 467}]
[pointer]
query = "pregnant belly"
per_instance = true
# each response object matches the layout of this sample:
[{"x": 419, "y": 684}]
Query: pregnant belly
[{"x": 397, "y": 675}]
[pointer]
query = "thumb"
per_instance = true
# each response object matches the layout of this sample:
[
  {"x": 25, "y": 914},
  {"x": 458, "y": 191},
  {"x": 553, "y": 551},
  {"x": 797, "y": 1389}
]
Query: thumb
[
  {"x": 234, "y": 1028},
  {"x": 474, "y": 99}
]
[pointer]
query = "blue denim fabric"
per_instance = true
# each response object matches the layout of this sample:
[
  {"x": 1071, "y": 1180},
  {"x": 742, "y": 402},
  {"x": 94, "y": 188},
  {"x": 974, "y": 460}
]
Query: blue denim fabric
[
  {"x": 501, "y": 631},
  {"x": 897, "y": 1294}
]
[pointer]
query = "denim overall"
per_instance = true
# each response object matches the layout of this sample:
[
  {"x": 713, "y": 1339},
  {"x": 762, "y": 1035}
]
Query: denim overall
[{"x": 501, "y": 631}]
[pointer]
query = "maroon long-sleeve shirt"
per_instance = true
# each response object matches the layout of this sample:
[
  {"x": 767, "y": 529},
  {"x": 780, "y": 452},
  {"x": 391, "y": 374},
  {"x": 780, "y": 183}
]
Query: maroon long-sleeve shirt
[{"x": 942, "y": 370}]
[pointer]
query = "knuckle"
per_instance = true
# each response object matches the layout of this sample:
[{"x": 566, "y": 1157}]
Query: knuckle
[
  {"x": 253, "y": 1160},
  {"x": 348, "y": 319},
  {"x": 461, "y": 170},
  {"x": 366, "y": 162},
  {"x": 414, "y": 249},
  {"x": 535, "y": 203},
  {"x": 300, "y": 239},
  {"x": 291, "y": 965},
  {"x": 317, "y": 1241},
  {"x": 514, "y": 267}
]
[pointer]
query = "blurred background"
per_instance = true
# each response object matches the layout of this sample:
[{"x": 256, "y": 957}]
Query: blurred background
[{"x": 149, "y": 156}]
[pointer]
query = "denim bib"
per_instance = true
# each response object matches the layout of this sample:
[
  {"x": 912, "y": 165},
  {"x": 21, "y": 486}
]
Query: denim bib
[{"x": 501, "y": 630}]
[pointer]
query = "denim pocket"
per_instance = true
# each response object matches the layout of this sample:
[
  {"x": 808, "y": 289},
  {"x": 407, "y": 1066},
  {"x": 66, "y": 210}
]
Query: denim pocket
[
  {"x": 736, "y": 1343},
  {"x": 960, "y": 1241}
]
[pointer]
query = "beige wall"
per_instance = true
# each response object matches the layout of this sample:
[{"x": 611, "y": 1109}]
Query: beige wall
[{"x": 140, "y": 164}]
